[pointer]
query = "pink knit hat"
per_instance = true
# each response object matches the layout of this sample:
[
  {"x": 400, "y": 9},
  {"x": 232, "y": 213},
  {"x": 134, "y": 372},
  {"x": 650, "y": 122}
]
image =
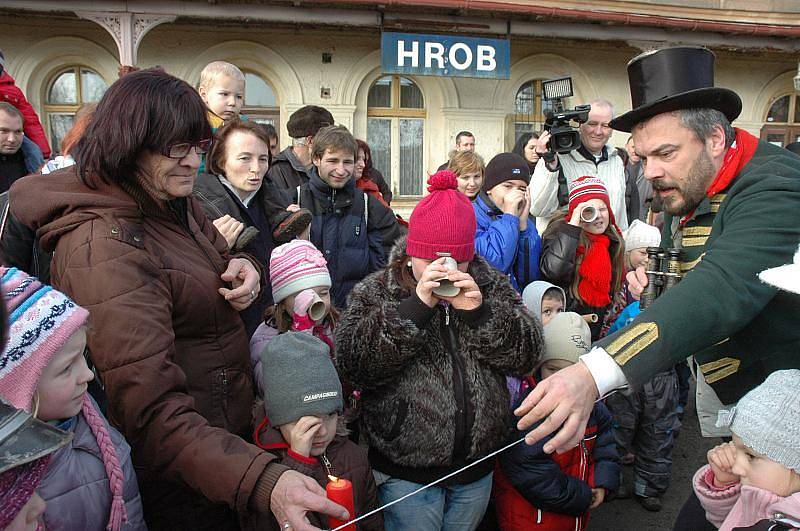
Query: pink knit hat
[
  {"x": 296, "y": 266},
  {"x": 41, "y": 320},
  {"x": 443, "y": 222}
]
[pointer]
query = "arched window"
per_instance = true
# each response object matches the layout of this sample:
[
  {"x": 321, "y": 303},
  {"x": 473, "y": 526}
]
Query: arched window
[
  {"x": 395, "y": 124},
  {"x": 530, "y": 108},
  {"x": 67, "y": 91},
  {"x": 782, "y": 125},
  {"x": 260, "y": 103}
]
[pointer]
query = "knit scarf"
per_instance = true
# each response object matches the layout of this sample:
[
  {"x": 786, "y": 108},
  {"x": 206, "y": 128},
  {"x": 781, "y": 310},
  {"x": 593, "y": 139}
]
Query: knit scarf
[
  {"x": 595, "y": 271},
  {"x": 116, "y": 479},
  {"x": 737, "y": 156}
]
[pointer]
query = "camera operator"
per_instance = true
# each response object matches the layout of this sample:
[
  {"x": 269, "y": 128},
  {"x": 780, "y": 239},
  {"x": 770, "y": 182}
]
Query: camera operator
[{"x": 555, "y": 173}]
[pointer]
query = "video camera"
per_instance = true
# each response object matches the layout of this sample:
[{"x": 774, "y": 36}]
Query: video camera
[{"x": 563, "y": 136}]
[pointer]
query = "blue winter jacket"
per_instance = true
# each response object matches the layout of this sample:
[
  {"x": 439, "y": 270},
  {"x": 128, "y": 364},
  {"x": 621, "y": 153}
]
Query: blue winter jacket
[
  {"x": 501, "y": 243},
  {"x": 626, "y": 317},
  {"x": 355, "y": 241}
]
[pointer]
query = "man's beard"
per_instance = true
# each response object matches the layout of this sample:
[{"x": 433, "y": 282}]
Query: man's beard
[{"x": 692, "y": 192}]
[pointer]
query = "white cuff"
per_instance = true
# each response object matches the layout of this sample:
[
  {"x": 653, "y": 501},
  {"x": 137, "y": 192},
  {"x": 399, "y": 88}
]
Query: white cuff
[{"x": 607, "y": 374}]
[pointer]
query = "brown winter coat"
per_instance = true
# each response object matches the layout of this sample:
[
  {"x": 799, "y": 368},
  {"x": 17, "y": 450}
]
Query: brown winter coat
[
  {"x": 171, "y": 352},
  {"x": 345, "y": 459}
]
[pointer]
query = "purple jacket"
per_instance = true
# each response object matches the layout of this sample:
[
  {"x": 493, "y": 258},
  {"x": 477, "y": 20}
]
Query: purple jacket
[
  {"x": 76, "y": 487},
  {"x": 740, "y": 506}
]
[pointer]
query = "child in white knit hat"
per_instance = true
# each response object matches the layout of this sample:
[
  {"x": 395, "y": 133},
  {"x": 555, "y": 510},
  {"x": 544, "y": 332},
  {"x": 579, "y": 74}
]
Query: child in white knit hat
[
  {"x": 756, "y": 477},
  {"x": 536, "y": 490}
]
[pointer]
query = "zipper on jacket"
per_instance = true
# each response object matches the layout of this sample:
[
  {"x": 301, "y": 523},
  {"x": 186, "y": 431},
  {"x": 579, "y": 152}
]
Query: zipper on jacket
[
  {"x": 525, "y": 263},
  {"x": 584, "y": 461},
  {"x": 327, "y": 463},
  {"x": 224, "y": 389},
  {"x": 461, "y": 442}
]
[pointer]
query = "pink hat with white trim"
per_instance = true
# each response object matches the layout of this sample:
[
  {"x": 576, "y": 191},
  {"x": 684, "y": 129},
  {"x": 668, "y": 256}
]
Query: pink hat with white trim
[
  {"x": 296, "y": 266},
  {"x": 41, "y": 320}
]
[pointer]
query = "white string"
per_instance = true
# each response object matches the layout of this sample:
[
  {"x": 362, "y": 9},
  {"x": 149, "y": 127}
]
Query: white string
[{"x": 451, "y": 474}]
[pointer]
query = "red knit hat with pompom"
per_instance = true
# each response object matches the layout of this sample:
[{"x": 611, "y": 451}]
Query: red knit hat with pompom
[{"x": 443, "y": 222}]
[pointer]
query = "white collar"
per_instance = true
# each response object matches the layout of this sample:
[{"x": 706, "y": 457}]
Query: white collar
[{"x": 246, "y": 201}]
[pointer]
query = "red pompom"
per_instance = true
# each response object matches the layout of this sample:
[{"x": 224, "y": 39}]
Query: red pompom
[{"x": 442, "y": 180}]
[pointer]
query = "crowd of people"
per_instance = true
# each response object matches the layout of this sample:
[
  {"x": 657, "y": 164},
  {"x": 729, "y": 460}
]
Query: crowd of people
[{"x": 201, "y": 332}]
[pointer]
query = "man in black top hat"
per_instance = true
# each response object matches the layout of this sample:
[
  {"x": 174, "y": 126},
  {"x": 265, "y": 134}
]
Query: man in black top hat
[{"x": 731, "y": 204}]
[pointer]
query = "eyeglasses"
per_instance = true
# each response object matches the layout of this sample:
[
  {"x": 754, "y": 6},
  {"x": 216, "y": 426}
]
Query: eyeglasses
[{"x": 178, "y": 151}]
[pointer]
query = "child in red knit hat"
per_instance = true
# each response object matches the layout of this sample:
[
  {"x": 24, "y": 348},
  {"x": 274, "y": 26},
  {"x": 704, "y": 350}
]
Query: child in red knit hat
[
  {"x": 431, "y": 364},
  {"x": 583, "y": 252}
]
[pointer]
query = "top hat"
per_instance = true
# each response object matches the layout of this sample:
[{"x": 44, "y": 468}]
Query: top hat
[{"x": 672, "y": 79}]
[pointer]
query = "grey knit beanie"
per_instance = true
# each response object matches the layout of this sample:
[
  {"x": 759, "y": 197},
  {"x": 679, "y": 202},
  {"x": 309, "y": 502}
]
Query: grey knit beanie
[
  {"x": 299, "y": 378},
  {"x": 767, "y": 419}
]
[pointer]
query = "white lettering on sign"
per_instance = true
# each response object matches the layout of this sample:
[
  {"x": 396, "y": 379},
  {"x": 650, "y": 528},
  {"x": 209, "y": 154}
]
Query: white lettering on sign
[
  {"x": 412, "y": 54},
  {"x": 434, "y": 50},
  {"x": 486, "y": 57},
  {"x": 453, "y": 56}
]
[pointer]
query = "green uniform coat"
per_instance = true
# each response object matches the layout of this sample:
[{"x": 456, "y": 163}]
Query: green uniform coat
[{"x": 739, "y": 329}]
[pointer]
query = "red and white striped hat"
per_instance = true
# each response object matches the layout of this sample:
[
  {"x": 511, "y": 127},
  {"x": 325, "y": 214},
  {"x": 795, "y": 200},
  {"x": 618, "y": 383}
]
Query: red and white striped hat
[{"x": 586, "y": 188}]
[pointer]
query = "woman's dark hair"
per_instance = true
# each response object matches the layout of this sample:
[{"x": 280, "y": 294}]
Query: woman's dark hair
[
  {"x": 143, "y": 111},
  {"x": 367, "y": 154},
  {"x": 522, "y": 141},
  {"x": 217, "y": 156}
]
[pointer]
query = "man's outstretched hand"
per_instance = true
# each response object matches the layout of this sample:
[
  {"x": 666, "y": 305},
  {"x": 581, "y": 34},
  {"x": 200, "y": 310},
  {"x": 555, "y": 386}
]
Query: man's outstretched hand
[{"x": 565, "y": 401}]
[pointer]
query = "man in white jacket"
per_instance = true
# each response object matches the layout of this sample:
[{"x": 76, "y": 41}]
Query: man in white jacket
[{"x": 550, "y": 181}]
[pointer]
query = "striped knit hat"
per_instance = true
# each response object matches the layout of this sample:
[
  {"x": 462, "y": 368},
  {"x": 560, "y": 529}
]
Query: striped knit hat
[
  {"x": 586, "y": 188},
  {"x": 41, "y": 320},
  {"x": 296, "y": 266}
]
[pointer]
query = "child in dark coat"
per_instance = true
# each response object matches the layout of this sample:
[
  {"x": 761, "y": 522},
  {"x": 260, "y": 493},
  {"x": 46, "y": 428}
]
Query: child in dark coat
[
  {"x": 303, "y": 401},
  {"x": 538, "y": 491}
]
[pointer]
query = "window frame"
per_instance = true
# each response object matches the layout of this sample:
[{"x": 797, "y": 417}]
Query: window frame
[
  {"x": 263, "y": 113},
  {"x": 538, "y": 118},
  {"x": 790, "y": 129},
  {"x": 394, "y": 113},
  {"x": 64, "y": 108}
]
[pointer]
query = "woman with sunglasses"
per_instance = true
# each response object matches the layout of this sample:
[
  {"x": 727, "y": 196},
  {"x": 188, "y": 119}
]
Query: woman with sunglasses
[{"x": 134, "y": 248}]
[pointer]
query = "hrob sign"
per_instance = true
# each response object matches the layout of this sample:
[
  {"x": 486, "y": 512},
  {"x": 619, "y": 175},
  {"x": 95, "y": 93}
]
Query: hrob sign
[{"x": 444, "y": 55}]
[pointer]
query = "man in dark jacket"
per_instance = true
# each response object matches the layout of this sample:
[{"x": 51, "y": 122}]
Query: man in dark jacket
[
  {"x": 19, "y": 156},
  {"x": 353, "y": 230},
  {"x": 292, "y": 166},
  {"x": 731, "y": 203}
]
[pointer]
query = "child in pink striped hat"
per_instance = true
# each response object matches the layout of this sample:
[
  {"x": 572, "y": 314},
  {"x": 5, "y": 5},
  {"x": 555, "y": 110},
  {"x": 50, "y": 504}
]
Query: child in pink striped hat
[
  {"x": 301, "y": 291},
  {"x": 90, "y": 483}
]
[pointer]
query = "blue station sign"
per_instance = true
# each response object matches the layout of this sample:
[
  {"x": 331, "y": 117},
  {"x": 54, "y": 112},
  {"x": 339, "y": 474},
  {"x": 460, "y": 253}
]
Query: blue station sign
[{"x": 444, "y": 55}]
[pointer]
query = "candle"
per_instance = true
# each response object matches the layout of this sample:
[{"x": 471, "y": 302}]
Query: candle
[{"x": 341, "y": 491}]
